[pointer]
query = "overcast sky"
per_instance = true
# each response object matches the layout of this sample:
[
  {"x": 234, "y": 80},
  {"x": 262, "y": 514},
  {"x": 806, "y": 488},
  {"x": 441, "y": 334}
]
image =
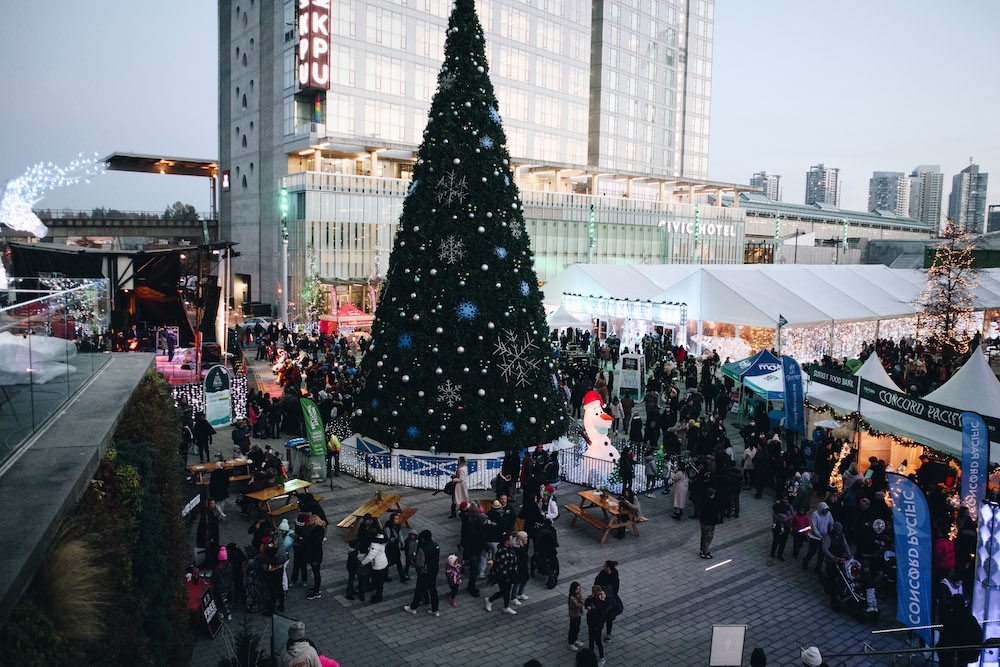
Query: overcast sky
[{"x": 855, "y": 84}]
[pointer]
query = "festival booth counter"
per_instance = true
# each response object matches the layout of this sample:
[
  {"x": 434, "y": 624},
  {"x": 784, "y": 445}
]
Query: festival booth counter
[
  {"x": 936, "y": 420},
  {"x": 763, "y": 379}
]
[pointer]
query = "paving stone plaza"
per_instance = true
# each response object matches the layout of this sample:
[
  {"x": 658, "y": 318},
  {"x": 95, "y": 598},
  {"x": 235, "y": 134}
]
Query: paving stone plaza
[{"x": 672, "y": 601}]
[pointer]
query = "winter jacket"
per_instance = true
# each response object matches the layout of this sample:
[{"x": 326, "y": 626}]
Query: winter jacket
[
  {"x": 300, "y": 654},
  {"x": 575, "y": 604},
  {"x": 504, "y": 568},
  {"x": 376, "y": 556}
]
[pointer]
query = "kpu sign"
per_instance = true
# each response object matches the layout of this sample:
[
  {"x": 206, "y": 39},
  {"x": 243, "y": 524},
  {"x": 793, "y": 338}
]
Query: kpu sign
[{"x": 314, "y": 44}]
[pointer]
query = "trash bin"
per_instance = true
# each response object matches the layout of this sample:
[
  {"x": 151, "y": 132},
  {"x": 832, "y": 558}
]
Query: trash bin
[{"x": 298, "y": 456}]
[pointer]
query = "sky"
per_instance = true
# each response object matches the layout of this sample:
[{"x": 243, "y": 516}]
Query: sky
[{"x": 860, "y": 85}]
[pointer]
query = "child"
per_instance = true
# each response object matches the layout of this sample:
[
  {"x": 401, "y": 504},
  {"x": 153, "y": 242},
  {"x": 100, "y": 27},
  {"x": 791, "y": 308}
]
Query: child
[
  {"x": 575, "y": 603},
  {"x": 800, "y": 528},
  {"x": 352, "y": 567},
  {"x": 410, "y": 546},
  {"x": 453, "y": 572}
]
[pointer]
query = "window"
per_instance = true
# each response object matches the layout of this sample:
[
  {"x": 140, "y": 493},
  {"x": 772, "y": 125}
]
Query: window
[
  {"x": 386, "y": 28},
  {"x": 385, "y": 75},
  {"x": 342, "y": 18},
  {"x": 342, "y": 67},
  {"x": 514, "y": 25},
  {"x": 244, "y": 142},
  {"x": 244, "y": 103}
]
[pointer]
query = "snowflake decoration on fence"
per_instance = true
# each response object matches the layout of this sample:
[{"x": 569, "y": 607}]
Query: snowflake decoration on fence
[
  {"x": 451, "y": 250},
  {"x": 515, "y": 229},
  {"x": 449, "y": 393},
  {"x": 452, "y": 187},
  {"x": 486, "y": 142},
  {"x": 466, "y": 310},
  {"x": 500, "y": 252},
  {"x": 515, "y": 362}
]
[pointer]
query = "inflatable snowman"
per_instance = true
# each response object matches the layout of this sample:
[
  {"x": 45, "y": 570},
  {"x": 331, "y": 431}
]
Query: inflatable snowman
[{"x": 596, "y": 423}]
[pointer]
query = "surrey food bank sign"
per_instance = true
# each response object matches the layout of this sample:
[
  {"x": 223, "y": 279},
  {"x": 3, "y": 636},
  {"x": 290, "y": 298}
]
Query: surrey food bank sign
[{"x": 314, "y": 44}]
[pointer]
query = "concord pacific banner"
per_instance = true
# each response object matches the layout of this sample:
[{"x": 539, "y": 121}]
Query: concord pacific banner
[
  {"x": 913, "y": 555},
  {"x": 922, "y": 409}
]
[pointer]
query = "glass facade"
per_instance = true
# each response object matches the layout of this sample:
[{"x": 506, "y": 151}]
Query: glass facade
[{"x": 350, "y": 222}]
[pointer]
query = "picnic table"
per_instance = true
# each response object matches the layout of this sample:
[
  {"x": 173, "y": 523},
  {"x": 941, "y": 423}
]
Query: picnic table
[
  {"x": 267, "y": 498},
  {"x": 376, "y": 508},
  {"x": 614, "y": 515},
  {"x": 201, "y": 471}
]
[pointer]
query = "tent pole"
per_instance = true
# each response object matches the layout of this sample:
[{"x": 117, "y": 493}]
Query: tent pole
[{"x": 832, "y": 338}]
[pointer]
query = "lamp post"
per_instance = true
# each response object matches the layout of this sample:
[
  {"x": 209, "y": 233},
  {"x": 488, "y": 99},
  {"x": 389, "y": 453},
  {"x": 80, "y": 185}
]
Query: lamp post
[{"x": 795, "y": 256}]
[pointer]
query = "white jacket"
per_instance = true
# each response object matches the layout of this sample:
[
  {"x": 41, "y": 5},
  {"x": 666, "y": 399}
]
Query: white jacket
[{"x": 376, "y": 556}]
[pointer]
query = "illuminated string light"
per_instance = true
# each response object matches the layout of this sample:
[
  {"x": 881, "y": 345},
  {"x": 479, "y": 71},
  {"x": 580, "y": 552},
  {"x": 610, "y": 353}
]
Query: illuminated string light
[{"x": 18, "y": 195}]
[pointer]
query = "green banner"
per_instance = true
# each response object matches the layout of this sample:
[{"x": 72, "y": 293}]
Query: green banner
[{"x": 314, "y": 427}]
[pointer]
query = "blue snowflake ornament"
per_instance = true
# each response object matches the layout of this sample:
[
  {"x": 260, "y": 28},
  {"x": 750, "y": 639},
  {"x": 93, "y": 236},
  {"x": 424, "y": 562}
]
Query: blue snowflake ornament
[
  {"x": 486, "y": 142},
  {"x": 374, "y": 402},
  {"x": 507, "y": 427},
  {"x": 413, "y": 186},
  {"x": 525, "y": 288},
  {"x": 405, "y": 341},
  {"x": 466, "y": 310},
  {"x": 506, "y": 180},
  {"x": 495, "y": 115},
  {"x": 413, "y": 433},
  {"x": 500, "y": 252}
]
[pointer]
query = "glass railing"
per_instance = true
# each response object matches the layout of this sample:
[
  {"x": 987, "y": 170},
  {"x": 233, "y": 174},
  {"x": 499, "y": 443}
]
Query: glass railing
[{"x": 51, "y": 344}]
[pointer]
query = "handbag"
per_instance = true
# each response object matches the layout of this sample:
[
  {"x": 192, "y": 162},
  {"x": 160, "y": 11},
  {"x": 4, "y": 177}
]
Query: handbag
[
  {"x": 616, "y": 606},
  {"x": 449, "y": 488}
]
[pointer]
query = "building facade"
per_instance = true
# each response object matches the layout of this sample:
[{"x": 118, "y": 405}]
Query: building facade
[
  {"x": 926, "y": 191},
  {"x": 967, "y": 202},
  {"x": 993, "y": 219},
  {"x": 598, "y": 100},
  {"x": 889, "y": 191},
  {"x": 770, "y": 184},
  {"x": 823, "y": 185}
]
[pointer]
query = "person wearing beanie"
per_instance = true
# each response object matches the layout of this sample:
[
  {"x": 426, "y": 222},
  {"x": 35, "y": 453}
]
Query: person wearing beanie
[
  {"x": 426, "y": 564},
  {"x": 811, "y": 657},
  {"x": 299, "y": 651},
  {"x": 222, "y": 582},
  {"x": 379, "y": 564},
  {"x": 835, "y": 551}
]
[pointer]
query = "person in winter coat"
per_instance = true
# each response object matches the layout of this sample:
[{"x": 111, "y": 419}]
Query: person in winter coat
[
  {"x": 315, "y": 534},
  {"x": 379, "y": 564},
  {"x": 208, "y": 534},
  {"x": 453, "y": 573},
  {"x": 575, "y": 605},
  {"x": 681, "y": 483},
  {"x": 218, "y": 488},
  {"x": 617, "y": 413},
  {"x": 547, "y": 504},
  {"x": 461, "y": 493},
  {"x": 203, "y": 433},
  {"x": 523, "y": 571},
  {"x": 299, "y": 651},
  {"x": 504, "y": 574},
  {"x": 635, "y": 430},
  {"x": 781, "y": 525},
  {"x": 711, "y": 516},
  {"x": 820, "y": 523},
  {"x": 610, "y": 584},
  {"x": 649, "y": 462},
  {"x": 627, "y": 468},
  {"x": 427, "y": 563},
  {"x": 597, "y": 613},
  {"x": 222, "y": 582}
]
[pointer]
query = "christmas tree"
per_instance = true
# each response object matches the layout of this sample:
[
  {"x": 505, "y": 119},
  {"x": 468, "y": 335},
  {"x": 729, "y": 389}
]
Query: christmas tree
[
  {"x": 948, "y": 297},
  {"x": 459, "y": 358}
]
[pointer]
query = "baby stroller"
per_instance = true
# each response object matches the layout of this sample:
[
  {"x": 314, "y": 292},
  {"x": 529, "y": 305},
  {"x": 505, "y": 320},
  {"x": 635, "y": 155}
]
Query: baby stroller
[
  {"x": 854, "y": 586},
  {"x": 545, "y": 560}
]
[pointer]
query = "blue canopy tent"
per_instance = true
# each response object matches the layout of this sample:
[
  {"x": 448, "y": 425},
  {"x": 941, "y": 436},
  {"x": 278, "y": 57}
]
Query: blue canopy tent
[{"x": 761, "y": 374}]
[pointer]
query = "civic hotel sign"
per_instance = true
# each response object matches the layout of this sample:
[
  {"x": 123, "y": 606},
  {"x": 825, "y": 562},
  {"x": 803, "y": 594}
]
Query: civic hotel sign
[{"x": 314, "y": 44}]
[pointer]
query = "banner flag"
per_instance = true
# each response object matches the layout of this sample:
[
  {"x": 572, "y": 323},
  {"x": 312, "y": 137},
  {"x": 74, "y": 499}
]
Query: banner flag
[
  {"x": 794, "y": 401},
  {"x": 314, "y": 427},
  {"x": 975, "y": 455},
  {"x": 912, "y": 523}
]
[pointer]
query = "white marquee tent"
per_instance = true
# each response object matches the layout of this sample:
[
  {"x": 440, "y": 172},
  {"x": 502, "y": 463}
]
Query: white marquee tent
[{"x": 757, "y": 294}]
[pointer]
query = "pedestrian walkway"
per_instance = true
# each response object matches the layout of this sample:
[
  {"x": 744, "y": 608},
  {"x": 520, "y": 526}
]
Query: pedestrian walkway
[{"x": 671, "y": 598}]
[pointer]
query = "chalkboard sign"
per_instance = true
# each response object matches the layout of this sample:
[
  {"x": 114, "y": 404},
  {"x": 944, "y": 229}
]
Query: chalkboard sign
[{"x": 209, "y": 611}]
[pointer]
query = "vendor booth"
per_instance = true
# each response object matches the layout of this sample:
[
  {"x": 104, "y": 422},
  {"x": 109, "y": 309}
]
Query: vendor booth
[
  {"x": 346, "y": 320},
  {"x": 763, "y": 382},
  {"x": 934, "y": 420}
]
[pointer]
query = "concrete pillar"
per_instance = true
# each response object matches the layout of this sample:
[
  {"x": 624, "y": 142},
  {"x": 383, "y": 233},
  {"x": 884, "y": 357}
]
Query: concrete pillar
[
  {"x": 373, "y": 170},
  {"x": 628, "y": 188},
  {"x": 736, "y": 199},
  {"x": 595, "y": 184},
  {"x": 663, "y": 192},
  {"x": 691, "y": 194}
]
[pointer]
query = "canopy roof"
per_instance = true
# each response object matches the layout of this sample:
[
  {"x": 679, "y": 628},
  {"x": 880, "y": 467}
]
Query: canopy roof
[
  {"x": 758, "y": 294},
  {"x": 563, "y": 319}
]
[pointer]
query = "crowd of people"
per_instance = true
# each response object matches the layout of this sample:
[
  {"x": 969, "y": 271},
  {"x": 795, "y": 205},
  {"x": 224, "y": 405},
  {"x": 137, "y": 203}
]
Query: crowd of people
[{"x": 676, "y": 429}]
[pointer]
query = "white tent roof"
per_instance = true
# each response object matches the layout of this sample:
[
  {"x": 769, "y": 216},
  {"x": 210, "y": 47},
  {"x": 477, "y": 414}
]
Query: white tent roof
[
  {"x": 561, "y": 318},
  {"x": 973, "y": 387},
  {"x": 757, "y": 294}
]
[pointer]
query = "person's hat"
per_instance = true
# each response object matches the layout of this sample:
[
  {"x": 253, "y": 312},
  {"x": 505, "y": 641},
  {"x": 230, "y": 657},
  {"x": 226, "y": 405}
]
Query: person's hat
[
  {"x": 837, "y": 527},
  {"x": 775, "y": 438},
  {"x": 823, "y": 506},
  {"x": 297, "y": 631},
  {"x": 811, "y": 657},
  {"x": 548, "y": 490},
  {"x": 223, "y": 554},
  {"x": 284, "y": 525},
  {"x": 452, "y": 560},
  {"x": 463, "y": 506},
  {"x": 710, "y": 491},
  {"x": 497, "y": 505}
]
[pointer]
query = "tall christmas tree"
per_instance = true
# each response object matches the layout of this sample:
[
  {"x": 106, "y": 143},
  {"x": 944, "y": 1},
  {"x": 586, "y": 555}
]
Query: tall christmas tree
[
  {"x": 459, "y": 358},
  {"x": 948, "y": 297}
]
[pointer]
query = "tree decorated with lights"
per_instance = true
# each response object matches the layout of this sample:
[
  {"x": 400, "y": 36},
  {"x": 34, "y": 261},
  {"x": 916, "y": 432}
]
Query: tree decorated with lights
[
  {"x": 459, "y": 359},
  {"x": 947, "y": 299}
]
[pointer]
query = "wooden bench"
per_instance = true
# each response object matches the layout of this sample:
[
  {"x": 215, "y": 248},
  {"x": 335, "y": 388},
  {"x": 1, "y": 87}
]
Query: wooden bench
[
  {"x": 586, "y": 516},
  {"x": 235, "y": 478},
  {"x": 407, "y": 514},
  {"x": 291, "y": 507}
]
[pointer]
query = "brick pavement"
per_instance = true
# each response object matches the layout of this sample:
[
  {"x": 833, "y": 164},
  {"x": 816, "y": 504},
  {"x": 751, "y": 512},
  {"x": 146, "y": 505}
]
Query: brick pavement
[{"x": 671, "y": 601}]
